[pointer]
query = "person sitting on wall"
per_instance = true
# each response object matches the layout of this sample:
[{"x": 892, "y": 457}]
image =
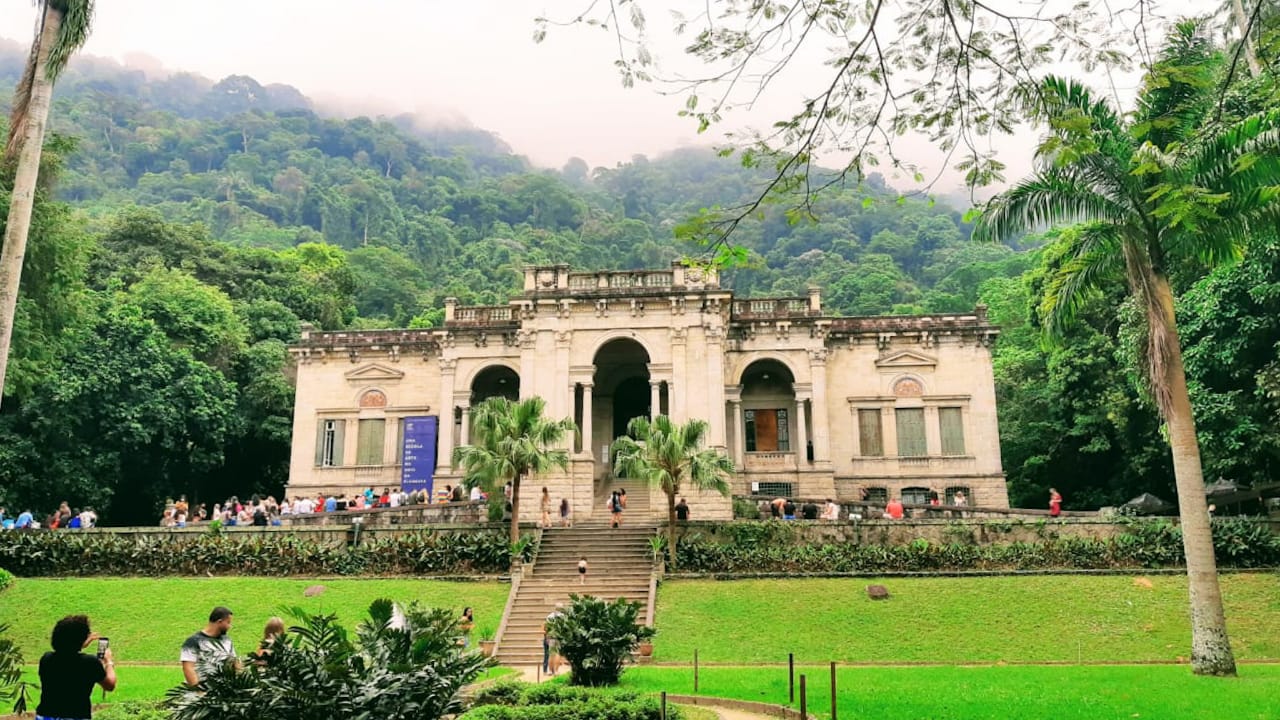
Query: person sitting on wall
[
  {"x": 457, "y": 494},
  {"x": 809, "y": 511},
  {"x": 789, "y": 509},
  {"x": 776, "y": 506},
  {"x": 893, "y": 509},
  {"x": 830, "y": 511}
]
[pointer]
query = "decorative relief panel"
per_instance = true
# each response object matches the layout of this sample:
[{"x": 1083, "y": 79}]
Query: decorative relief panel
[
  {"x": 908, "y": 387},
  {"x": 373, "y": 399}
]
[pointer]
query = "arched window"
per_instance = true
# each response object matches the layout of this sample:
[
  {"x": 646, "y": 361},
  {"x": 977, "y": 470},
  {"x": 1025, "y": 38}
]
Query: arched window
[{"x": 958, "y": 495}]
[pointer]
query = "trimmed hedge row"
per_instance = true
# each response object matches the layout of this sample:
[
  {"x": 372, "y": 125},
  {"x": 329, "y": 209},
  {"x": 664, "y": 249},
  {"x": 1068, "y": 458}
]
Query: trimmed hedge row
[
  {"x": 1238, "y": 543},
  {"x": 65, "y": 553},
  {"x": 514, "y": 700}
]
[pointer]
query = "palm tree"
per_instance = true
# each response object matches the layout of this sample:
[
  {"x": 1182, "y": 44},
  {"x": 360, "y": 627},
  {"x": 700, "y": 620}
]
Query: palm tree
[
  {"x": 665, "y": 454},
  {"x": 513, "y": 441},
  {"x": 1169, "y": 188},
  {"x": 63, "y": 28}
]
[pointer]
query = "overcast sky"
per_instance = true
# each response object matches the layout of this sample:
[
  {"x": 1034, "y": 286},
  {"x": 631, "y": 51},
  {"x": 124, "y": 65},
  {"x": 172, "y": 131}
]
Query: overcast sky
[{"x": 469, "y": 58}]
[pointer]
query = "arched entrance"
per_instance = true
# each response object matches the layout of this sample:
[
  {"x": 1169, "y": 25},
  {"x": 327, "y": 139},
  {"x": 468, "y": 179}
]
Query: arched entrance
[
  {"x": 621, "y": 390},
  {"x": 495, "y": 381},
  {"x": 768, "y": 408}
]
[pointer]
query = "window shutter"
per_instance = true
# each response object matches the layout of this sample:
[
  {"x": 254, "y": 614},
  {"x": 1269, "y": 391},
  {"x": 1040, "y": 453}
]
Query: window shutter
[
  {"x": 870, "y": 442},
  {"x": 319, "y": 442},
  {"x": 370, "y": 441},
  {"x": 911, "y": 432},
  {"x": 339, "y": 441},
  {"x": 951, "y": 424}
]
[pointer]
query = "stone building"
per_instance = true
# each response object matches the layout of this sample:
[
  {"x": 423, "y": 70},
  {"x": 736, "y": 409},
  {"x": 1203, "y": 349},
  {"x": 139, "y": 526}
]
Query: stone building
[{"x": 807, "y": 405}]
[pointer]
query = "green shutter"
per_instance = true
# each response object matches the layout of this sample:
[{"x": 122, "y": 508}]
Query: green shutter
[
  {"x": 370, "y": 441},
  {"x": 319, "y": 442},
  {"x": 870, "y": 443},
  {"x": 951, "y": 423},
  {"x": 911, "y": 432},
  {"x": 339, "y": 441}
]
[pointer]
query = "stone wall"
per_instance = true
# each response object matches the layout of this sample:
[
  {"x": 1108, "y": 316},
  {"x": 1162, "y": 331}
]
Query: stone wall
[{"x": 452, "y": 513}]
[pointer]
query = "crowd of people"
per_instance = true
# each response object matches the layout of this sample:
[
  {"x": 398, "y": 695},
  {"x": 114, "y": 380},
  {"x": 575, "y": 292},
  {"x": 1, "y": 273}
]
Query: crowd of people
[{"x": 65, "y": 517}]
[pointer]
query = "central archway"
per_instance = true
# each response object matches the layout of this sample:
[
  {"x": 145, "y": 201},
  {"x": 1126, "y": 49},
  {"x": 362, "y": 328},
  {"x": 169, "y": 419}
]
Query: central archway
[{"x": 622, "y": 391}]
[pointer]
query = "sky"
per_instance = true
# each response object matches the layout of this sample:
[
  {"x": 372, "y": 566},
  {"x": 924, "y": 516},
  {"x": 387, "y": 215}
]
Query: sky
[{"x": 474, "y": 59}]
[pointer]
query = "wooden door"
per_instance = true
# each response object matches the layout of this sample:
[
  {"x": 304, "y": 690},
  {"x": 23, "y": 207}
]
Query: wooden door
[{"x": 766, "y": 431}]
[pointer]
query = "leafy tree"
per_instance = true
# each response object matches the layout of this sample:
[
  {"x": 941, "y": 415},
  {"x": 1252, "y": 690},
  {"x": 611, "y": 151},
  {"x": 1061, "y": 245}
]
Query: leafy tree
[
  {"x": 1151, "y": 194},
  {"x": 63, "y": 28},
  {"x": 598, "y": 637},
  {"x": 666, "y": 454},
  {"x": 12, "y": 687},
  {"x": 513, "y": 441},
  {"x": 404, "y": 663},
  {"x": 193, "y": 315}
]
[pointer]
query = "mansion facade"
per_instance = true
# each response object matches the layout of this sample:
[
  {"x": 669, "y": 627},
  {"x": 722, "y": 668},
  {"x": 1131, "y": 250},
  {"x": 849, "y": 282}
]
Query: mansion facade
[{"x": 807, "y": 405}]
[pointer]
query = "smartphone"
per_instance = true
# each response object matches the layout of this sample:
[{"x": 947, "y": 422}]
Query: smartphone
[{"x": 103, "y": 644}]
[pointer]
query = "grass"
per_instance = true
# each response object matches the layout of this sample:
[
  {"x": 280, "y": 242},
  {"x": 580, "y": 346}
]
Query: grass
[
  {"x": 992, "y": 692},
  {"x": 1075, "y": 619},
  {"x": 147, "y": 619}
]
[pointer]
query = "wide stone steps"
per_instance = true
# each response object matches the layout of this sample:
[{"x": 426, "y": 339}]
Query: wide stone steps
[{"x": 619, "y": 565}]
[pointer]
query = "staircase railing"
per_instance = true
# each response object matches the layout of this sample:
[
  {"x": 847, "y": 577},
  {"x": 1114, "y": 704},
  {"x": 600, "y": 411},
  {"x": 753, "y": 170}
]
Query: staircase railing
[{"x": 516, "y": 579}]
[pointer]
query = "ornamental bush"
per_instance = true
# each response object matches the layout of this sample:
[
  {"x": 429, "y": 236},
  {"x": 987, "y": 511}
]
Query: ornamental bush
[
  {"x": 1240, "y": 543},
  {"x": 598, "y": 638},
  {"x": 514, "y": 700},
  {"x": 425, "y": 552}
]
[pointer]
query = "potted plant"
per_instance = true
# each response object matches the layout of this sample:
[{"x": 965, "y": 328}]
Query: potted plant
[
  {"x": 487, "y": 642},
  {"x": 646, "y": 648}
]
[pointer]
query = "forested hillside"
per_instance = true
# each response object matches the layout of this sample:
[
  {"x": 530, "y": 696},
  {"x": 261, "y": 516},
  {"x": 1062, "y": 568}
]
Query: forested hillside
[{"x": 194, "y": 225}]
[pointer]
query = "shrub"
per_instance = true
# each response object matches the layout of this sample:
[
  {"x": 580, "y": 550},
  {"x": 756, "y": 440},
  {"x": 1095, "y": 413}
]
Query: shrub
[
  {"x": 404, "y": 664},
  {"x": 515, "y": 700},
  {"x": 598, "y": 638},
  {"x": 6, "y": 579},
  {"x": 132, "y": 710},
  {"x": 12, "y": 686},
  {"x": 756, "y": 547},
  {"x": 424, "y": 552}
]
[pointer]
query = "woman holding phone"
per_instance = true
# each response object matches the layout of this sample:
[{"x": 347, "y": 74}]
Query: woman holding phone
[{"x": 67, "y": 676}]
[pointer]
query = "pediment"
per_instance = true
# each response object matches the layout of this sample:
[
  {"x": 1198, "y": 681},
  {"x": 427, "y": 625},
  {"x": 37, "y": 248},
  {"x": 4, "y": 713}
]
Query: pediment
[
  {"x": 906, "y": 359},
  {"x": 373, "y": 372}
]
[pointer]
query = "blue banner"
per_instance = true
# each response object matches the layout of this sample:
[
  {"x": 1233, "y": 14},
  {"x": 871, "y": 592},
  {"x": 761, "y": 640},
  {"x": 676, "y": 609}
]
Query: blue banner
[{"x": 418, "y": 453}]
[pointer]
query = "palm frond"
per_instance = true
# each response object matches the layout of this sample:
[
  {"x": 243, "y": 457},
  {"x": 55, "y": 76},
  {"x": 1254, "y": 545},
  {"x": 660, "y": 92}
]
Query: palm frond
[
  {"x": 1091, "y": 256},
  {"x": 1050, "y": 197},
  {"x": 77, "y": 21}
]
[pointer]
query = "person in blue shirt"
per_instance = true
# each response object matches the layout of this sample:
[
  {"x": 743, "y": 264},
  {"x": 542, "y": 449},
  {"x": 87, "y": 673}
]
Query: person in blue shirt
[
  {"x": 24, "y": 520},
  {"x": 330, "y": 504}
]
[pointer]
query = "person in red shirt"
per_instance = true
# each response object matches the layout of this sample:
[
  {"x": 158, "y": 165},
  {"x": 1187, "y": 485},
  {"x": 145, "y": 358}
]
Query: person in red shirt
[
  {"x": 893, "y": 509},
  {"x": 1055, "y": 503}
]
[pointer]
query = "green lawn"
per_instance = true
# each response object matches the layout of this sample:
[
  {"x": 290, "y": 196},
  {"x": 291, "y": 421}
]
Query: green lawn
[
  {"x": 147, "y": 619},
  {"x": 1117, "y": 692},
  {"x": 955, "y": 620}
]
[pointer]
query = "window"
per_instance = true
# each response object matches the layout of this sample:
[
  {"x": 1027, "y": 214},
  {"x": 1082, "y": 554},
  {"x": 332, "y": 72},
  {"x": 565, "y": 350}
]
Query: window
[
  {"x": 870, "y": 443},
  {"x": 966, "y": 497},
  {"x": 915, "y": 495},
  {"x": 911, "y": 432},
  {"x": 877, "y": 495},
  {"x": 370, "y": 442},
  {"x": 767, "y": 431},
  {"x": 329, "y": 442},
  {"x": 951, "y": 426},
  {"x": 773, "y": 489}
]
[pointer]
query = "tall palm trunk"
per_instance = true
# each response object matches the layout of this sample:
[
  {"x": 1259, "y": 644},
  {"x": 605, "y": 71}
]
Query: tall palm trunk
[
  {"x": 1242, "y": 22},
  {"x": 515, "y": 509},
  {"x": 671, "y": 525},
  {"x": 18, "y": 225},
  {"x": 1210, "y": 649}
]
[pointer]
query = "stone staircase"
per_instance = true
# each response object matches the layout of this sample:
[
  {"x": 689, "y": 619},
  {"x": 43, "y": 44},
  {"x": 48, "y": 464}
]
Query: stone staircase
[{"x": 620, "y": 565}]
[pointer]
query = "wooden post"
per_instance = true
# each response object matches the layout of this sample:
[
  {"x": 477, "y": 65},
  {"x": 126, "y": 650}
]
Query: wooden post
[
  {"x": 695, "y": 671},
  {"x": 664, "y": 705},
  {"x": 833, "y": 690},
  {"x": 804, "y": 705},
  {"x": 791, "y": 678}
]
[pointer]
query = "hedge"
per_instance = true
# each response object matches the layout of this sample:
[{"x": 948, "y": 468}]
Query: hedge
[
  {"x": 44, "y": 553},
  {"x": 515, "y": 700},
  {"x": 1239, "y": 543}
]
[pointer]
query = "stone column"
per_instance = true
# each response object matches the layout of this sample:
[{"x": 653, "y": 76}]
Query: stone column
[
  {"x": 802, "y": 434},
  {"x": 679, "y": 370},
  {"x": 716, "y": 437},
  {"x": 466, "y": 423},
  {"x": 558, "y": 406},
  {"x": 528, "y": 340},
  {"x": 587, "y": 435},
  {"x": 444, "y": 462},
  {"x": 821, "y": 422},
  {"x": 655, "y": 398},
  {"x": 739, "y": 450}
]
